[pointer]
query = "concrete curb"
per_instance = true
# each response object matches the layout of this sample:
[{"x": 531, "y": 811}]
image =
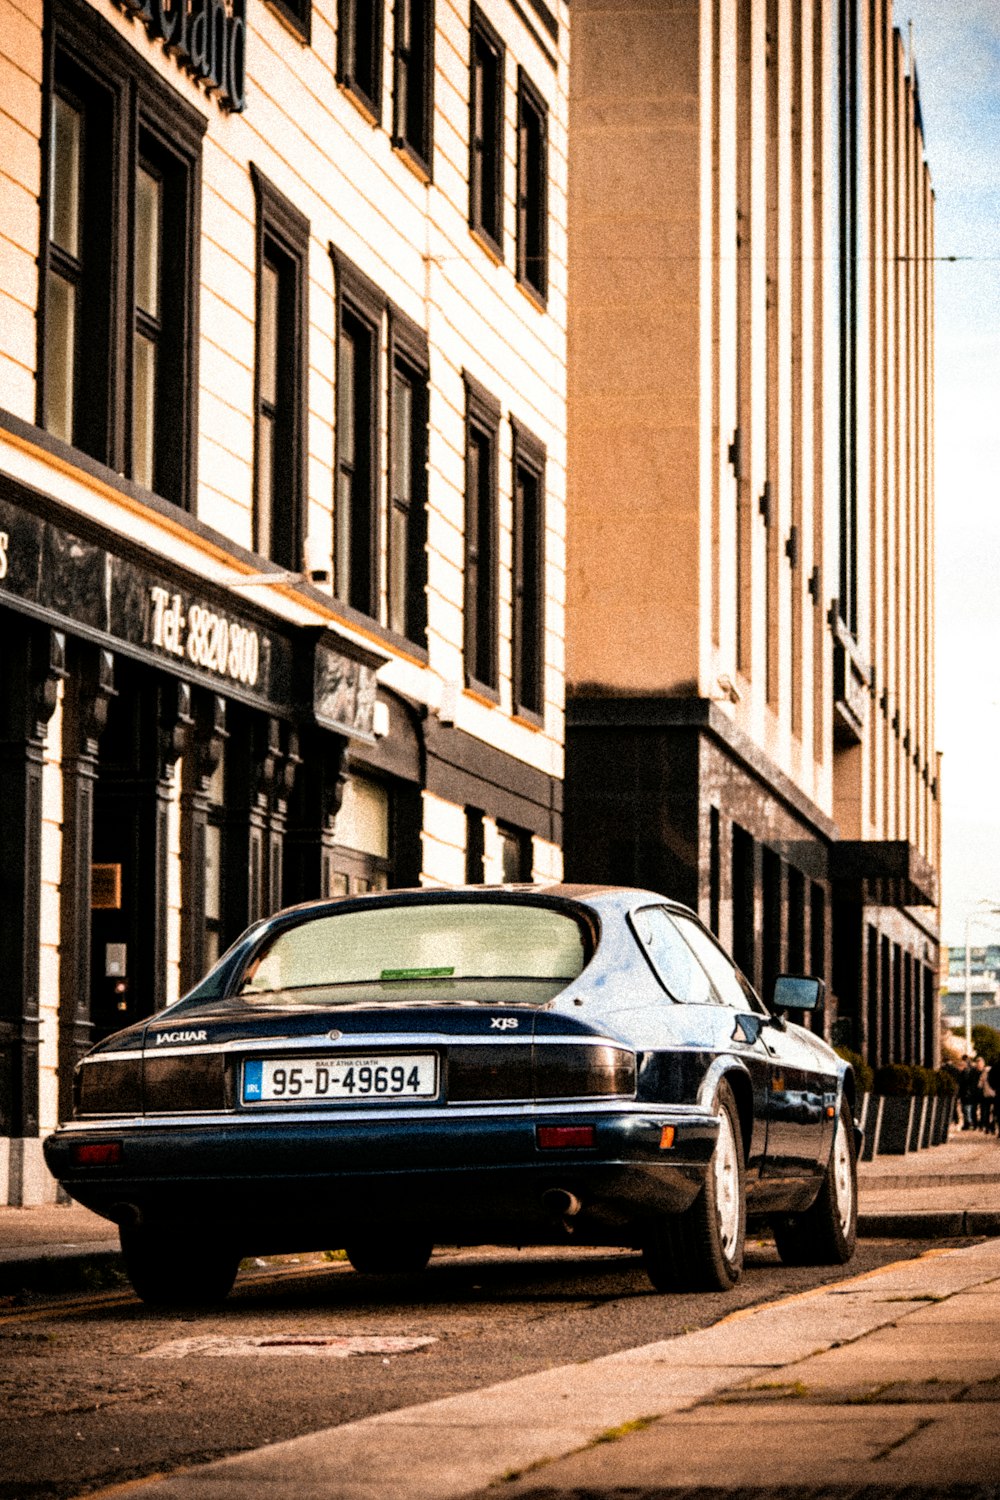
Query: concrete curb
[
  {"x": 929, "y": 1224},
  {"x": 61, "y": 1269}
]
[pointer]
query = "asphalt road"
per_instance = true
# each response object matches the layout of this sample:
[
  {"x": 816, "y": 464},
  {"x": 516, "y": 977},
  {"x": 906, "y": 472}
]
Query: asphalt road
[{"x": 90, "y": 1398}]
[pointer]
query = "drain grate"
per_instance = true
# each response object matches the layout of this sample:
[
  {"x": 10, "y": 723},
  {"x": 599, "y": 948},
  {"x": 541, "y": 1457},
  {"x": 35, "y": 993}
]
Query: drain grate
[{"x": 324, "y": 1345}]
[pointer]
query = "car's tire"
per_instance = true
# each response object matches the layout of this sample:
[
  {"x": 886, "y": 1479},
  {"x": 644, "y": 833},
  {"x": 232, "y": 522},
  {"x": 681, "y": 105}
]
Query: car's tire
[
  {"x": 701, "y": 1249},
  {"x": 400, "y": 1255},
  {"x": 172, "y": 1272},
  {"x": 826, "y": 1233}
]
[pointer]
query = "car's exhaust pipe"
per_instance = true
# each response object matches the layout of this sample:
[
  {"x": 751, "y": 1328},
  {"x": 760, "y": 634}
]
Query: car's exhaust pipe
[
  {"x": 126, "y": 1215},
  {"x": 561, "y": 1202}
]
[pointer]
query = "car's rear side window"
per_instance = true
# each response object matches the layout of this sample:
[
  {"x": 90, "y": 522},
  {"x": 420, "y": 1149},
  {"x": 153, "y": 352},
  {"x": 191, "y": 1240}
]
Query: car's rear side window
[
  {"x": 407, "y": 944},
  {"x": 680, "y": 973},
  {"x": 725, "y": 977}
]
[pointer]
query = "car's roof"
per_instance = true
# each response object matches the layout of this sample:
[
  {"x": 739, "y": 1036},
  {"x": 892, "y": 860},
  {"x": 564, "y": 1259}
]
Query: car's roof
[{"x": 596, "y": 895}]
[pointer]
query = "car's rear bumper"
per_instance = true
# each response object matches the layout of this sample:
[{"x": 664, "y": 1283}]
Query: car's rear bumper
[{"x": 312, "y": 1180}]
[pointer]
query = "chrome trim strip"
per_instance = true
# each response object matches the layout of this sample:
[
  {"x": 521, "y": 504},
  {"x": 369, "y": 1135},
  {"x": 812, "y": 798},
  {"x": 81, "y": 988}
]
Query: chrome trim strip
[
  {"x": 363, "y": 1041},
  {"x": 679, "y": 1113}
]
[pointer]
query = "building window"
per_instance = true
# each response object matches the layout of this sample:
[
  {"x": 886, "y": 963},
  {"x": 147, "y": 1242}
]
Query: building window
[
  {"x": 515, "y": 854},
  {"x": 362, "y": 859},
  {"x": 475, "y": 846},
  {"x": 359, "y": 51},
  {"x": 413, "y": 93},
  {"x": 298, "y": 13},
  {"x": 119, "y": 260},
  {"x": 528, "y": 580},
  {"x": 532, "y": 188},
  {"x": 407, "y": 527},
  {"x": 486, "y": 86},
  {"x": 360, "y": 309},
  {"x": 482, "y": 425},
  {"x": 282, "y": 276}
]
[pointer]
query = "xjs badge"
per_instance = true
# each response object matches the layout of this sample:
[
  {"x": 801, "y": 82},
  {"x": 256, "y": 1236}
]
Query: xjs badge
[{"x": 504, "y": 1023}]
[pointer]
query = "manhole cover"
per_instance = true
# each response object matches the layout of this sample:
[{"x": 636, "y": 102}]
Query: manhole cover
[{"x": 324, "y": 1345}]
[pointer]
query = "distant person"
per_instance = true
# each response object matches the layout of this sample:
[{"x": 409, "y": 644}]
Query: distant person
[
  {"x": 967, "y": 1092},
  {"x": 980, "y": 1102},
  {"x": 993, "y": 1081}
]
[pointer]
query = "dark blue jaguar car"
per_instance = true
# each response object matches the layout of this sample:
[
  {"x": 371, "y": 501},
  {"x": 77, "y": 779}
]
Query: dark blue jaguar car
[{"x": 510, "y": 1065}]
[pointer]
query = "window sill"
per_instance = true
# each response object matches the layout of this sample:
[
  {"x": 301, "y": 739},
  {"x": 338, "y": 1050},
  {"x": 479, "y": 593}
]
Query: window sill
[
  {"x": 529, "y": 719},
  {"x": 482, "y": 693},
  {"x": 365, "y": 107},
  {"x": 534, "y": 296},
  {"x": 412, "y": 160},
  {"x": 399, "y": 645},
  {"x": 487, "y": 243},
  {"x": 297, "y": 26}
]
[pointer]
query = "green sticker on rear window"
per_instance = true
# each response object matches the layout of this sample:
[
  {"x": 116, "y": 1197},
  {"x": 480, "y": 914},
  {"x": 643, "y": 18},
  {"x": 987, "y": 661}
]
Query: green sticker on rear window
[{"x": 417, "y": 973}]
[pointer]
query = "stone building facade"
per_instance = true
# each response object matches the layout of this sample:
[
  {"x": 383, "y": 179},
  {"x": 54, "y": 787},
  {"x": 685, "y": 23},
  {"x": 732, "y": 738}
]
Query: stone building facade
[
  {"x": 282, "y": 483},
  {"x": 750, "y": 622}
]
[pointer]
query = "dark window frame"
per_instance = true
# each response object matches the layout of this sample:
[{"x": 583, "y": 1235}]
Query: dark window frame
[
  {"x": 519, "y": 840},
  {"x": 410, "y": 356},
  {"x": 367, "y": 90},
  {"x": 282, "y": 238},
  {"x": 532, "y": 203},
  {"x": 486, "y": 218},
  {"x": 527, "y": 560},
  {"x": 481, "y": 603},
  {"x": 360, "y": 310},
  {"x": 298, "y": 14},
  {"x": 416, "y": 143},
  {"x": 113, "y": 81}
]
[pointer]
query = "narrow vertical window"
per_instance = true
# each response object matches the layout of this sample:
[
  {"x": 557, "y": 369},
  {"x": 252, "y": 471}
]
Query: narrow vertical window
[
  {"x": 145, "y": 348},
  {"x": 407, "y": 526},
  {"x": 515, "y": 854},
  {"x": 279, "y": 477},
  {"x": 65, "y": 267},
  {"x": 528, "y": 580},
  {"x": 118, "y": 289},
  {"x": 359, "y": 51},
  {"x": 486, "y": 85},
  {"x": 413, "y": 92},
  {"x": 360, "y": 311},
  {"x": 482, "y": 423},
  {"x": 532, "y": 188}
]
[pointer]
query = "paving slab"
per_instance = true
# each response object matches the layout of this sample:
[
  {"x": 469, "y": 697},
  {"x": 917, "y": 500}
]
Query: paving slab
[{"x": 662, "y": 1414}]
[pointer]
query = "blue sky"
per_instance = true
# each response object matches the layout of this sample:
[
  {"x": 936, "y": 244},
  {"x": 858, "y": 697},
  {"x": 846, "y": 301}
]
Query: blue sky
[{"x": 957, "y": 50}]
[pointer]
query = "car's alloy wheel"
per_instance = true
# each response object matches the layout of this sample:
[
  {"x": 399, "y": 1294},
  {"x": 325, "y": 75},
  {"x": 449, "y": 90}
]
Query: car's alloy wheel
[
  {"x": 171, "y": 1271},
  {"x": 826, "y": 1233},
  {"x": 701, "y": 1249}
]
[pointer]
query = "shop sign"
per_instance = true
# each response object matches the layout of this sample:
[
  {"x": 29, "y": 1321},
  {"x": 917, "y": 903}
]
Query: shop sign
[
  {"x": 83, "y": 584},
  {"x": 203, "y": 637},
  {"x": 207, "y": 37}
]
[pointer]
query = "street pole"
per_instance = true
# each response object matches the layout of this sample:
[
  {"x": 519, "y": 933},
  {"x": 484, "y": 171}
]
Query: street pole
[{"x": 968, "y": 989}]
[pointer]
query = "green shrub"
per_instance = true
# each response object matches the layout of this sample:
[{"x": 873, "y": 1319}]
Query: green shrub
[
  {"x": 863, "y": 1074},
  {"x": 947, "y": 1086},
  {"x": 894, "y": 1079},
  {"x": 986, "y": 1042},
  {"x": 925, "y": 1082}
]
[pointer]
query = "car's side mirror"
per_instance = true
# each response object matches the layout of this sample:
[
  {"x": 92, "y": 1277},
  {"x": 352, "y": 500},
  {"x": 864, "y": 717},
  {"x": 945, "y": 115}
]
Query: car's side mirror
[{"x": 797, "y": 992}]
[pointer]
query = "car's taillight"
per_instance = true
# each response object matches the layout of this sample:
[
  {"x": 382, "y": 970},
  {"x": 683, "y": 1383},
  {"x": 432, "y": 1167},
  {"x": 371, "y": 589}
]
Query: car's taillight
[
  {"x": 542, "y": 1070},
  {"x": 494, "y": 1070},
  {"x": 565, "y": 1137},
  {"x": 191, "y": 1081},
  {"x": 108, "y": 1086},
  {"x": 97, "y": 1154},
  {"x": 582, "y": 1070}
]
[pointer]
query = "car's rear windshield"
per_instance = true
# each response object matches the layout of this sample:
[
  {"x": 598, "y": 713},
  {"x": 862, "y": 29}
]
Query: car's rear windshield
[{"x": 441, "y": 947}]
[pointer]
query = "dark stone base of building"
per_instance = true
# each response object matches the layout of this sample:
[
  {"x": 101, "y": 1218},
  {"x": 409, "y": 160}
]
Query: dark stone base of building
[{"x": 668, "y": 794}]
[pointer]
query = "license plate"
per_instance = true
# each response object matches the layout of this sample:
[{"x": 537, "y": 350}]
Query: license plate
[{"x": 297, "y": 1080}]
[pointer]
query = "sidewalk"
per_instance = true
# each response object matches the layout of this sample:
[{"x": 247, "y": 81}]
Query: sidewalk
[
  {"x": 946, "y": 1191},
  {"x": 857, "y": 1389}
]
